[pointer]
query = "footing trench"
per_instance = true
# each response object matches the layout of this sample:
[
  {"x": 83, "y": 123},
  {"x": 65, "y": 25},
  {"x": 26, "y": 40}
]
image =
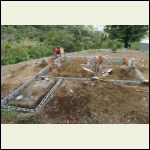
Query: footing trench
[
  {"x": 141, "y": 80},
  {"x": 46, "y": 98}
]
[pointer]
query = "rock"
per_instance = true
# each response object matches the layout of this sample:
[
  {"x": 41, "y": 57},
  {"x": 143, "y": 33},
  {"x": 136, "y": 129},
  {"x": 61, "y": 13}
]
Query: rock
[
  {"x": 47, "y": 79},
  {"x": 95, "y": 78},
  {"x": 109, "y": 70},
  {"x": 89, "y": 70},
  {"x": 105, "y": 74},
  {"x": 19, "y": 97},
  {"x": 71, "y": 91}
]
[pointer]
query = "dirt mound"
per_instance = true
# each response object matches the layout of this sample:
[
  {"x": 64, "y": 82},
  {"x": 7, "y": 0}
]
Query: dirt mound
[
  {"x": 119, "y": 73},
  {"x": 42, "y": 64},
  {"x": 72, "y": 68},
  {"x": 54, "y": 72},
  {"x": 122, "y": 74}
]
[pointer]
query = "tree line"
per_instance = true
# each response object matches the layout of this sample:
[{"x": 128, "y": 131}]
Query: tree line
[{"x": 25, "y": 42}]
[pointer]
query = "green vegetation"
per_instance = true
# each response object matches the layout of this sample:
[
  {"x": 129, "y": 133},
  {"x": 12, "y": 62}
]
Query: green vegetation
[
  {"x": 25, "y": 42},
  {"x": 12, "y": 116},
  {"x": 126, "y": 33},
  {"x": 8, "y": 116}
]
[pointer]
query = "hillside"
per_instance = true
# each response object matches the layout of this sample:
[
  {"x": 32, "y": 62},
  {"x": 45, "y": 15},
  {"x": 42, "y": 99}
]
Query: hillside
[{"x": 27, "y": 42}]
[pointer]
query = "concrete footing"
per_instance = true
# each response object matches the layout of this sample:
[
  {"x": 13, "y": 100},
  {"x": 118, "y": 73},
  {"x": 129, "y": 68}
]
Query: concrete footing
[{"x": 141, "y": 80}]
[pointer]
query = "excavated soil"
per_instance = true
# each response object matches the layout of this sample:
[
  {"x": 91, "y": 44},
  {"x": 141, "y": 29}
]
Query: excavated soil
[
  {"x": 84, "y": 101},
  {"x": 42, "y": 64},
  {"x": 72, "y": 68},
  {"x": 118, "y": 73},
  {"x": 96, "y": 102}
]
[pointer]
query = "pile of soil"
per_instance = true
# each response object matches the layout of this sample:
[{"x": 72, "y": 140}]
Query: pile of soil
[
  {"x": 72, "y": 68},
  {"x": 122, "y": 74},
  {"x": 119, "y": 73},
  {"x": 96, "y": 102},
  {"x": 42, "y": 64}
]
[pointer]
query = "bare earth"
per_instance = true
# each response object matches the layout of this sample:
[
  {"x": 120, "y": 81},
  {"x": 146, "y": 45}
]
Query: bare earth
[{"x": 83, "y": 101}]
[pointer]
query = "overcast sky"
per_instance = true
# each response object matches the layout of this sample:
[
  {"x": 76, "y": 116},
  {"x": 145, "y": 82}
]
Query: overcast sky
[{"x": 99, "y": 27}]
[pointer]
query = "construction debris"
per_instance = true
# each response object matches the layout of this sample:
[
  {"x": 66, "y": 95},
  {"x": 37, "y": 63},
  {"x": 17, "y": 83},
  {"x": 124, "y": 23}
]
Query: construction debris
[
  {"x": 141, "y": 90},
  {"x": 87, "y": 69},
  {"x": 47, "y": 79},
  {"x": 95, "y": 78},
  {"x": 19, "y": 97},
  {"x": 105, "y": 74},
  {"x": 105, "y": 70},
  {"x": 43, "y": 77},
  {"x": 71, "y": 91}
]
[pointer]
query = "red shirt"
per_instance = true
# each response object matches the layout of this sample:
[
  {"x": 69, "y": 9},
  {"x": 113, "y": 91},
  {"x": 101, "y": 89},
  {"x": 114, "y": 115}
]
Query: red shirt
[{"x": 56, "y": 50}]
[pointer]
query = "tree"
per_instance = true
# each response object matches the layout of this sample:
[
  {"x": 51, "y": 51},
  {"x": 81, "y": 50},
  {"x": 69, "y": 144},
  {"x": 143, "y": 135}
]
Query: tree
[{"x": 126, "y": 33}]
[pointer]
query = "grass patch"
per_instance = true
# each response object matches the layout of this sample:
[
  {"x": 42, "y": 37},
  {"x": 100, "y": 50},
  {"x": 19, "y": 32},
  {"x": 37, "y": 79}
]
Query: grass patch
[{"x": 8, "y": 116}]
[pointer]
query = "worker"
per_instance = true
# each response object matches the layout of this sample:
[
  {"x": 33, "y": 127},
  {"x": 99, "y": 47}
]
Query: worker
[{"x": 56, "y": 50}]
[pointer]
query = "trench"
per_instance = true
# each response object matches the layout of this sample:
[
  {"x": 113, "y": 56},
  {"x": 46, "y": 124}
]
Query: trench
[{"x": 141, "y": 80}]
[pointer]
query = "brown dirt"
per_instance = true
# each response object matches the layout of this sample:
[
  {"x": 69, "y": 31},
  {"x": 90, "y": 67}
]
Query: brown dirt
[
  {"x": 4, "y": 86},
  {"x": 90, "y": 102},
  {"x": 72, "y": 68},
  {"x": 119, "y": 53},
  {"x": 119, "y": 73},
  {"x": 145, "y": 71},
  {"x": 7, "y": 120},
  {"x": 42, "y": 64},
  {"x": 96, "y": 102},
  {"x": 17, "y": 77},
  {"x": 53, "y": 72}
]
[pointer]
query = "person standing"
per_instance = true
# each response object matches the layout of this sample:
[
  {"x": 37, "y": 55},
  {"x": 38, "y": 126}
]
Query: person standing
[{"x": 56, "y": 49}]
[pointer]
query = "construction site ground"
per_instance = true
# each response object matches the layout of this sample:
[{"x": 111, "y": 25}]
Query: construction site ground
[{"x": 79, "y": 101}]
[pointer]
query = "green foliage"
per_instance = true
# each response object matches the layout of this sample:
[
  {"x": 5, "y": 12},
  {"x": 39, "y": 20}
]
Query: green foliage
[
  {"x": 14, "y": 53},
  {"x": 24, "y": 42},
  {"x": 8, "y": 113},
  {"x": 135, "y": 45},
  {"x": 126, "y": 33}
]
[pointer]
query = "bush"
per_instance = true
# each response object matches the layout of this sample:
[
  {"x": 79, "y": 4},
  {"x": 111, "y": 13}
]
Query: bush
[{"x": 135, "y": 45}]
